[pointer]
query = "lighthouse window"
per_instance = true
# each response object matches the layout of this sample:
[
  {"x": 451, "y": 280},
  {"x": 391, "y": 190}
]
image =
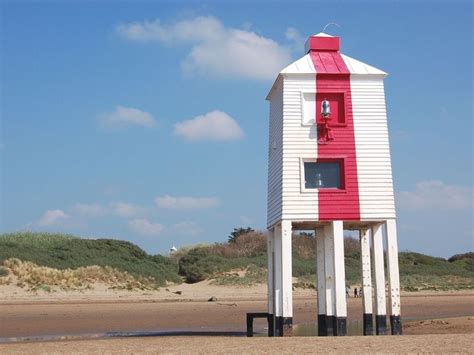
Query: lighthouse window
[{"x": 321, "y": 175}]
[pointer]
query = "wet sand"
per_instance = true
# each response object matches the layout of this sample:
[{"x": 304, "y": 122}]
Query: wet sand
[
  {"x": 423, "y": 315},
  {"x": 89, "y": 317}
]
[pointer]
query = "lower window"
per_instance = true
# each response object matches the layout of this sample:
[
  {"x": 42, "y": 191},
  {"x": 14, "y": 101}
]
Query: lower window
[{"x": 321, "y": 175}]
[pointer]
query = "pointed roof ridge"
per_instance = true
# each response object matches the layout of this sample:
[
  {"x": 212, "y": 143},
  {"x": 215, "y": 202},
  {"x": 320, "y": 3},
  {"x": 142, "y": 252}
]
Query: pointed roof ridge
[{"x": 321, "y": 34}]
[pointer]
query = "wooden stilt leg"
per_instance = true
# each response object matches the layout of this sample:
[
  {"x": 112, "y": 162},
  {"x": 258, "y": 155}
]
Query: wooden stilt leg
[
  {"x": 366, "y": 281},
  {"x": 380, "y": 298}
]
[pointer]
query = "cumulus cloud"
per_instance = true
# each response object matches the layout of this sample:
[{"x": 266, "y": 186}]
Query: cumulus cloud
[
  {"x": 144, "y": 227},
  {"x": 121, "y": 209},
  {"x": 215, "y": 49},
  {"x": 215, "y": 125},
  {"x": 53, "y": 218},
  {"x": 184, "y": 202},
  {"x": 126, "y": 116},
  {"x": 124, "y": 209},
  {"x": 436, "y": 195},
  {"x": 187, "y": 228},
  {"x": 293, "y": 35},
  {"x": 90, "y": 209}
]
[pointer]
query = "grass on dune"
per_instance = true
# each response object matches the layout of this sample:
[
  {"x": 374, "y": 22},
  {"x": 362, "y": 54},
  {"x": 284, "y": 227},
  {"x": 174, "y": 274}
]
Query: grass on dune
[
  {"x": 33, "y": 277},
  {"x": 242, "y": 261},
  {"x": 68, "y": 252}
]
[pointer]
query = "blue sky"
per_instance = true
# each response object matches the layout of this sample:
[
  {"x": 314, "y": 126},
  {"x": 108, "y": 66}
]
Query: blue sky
[{"x": 147, "y": 121}]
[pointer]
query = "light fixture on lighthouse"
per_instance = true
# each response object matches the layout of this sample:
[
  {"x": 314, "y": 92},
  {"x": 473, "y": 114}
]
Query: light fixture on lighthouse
[
  {"x": 325, "y": 108},
  {"x": 324, "y": 132}
]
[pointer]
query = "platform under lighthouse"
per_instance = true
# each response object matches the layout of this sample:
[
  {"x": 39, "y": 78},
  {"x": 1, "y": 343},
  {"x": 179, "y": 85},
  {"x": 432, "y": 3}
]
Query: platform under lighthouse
[{"x": 329, "y": 170}]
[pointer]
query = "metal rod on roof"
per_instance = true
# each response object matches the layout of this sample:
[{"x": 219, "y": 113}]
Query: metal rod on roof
[{"x": 329, "y": 24}]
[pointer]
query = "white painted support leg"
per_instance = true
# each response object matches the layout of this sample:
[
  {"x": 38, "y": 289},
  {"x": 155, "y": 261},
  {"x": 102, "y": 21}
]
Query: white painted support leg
[
  {"x": 393, "y": 277},
  {"x": 379, "y": 271},
  {"x": 329, "y": 278},
  {"x": 287, "y": 279},
  {"x": 277, "y": 277},
  {"x": 340, "y": 325},
  {"x": 366, "y": 281},
  {"x": 270, "y": 280},
  {"x": 321, "y": 281}
]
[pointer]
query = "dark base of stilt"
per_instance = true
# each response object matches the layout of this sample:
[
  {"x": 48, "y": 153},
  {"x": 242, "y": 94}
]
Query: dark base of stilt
[
  {"x": 381, "y": 324},
  {"x": 283, "y": 326},
  {"x": 271, "y": 326},
  {"x": 330, "y": 322},
  {"x": 368, "y": 324},
  {"x": 396, "y": 325},
  {"x": 340, "y": 328},
  {"x": 322, "y": 326}
]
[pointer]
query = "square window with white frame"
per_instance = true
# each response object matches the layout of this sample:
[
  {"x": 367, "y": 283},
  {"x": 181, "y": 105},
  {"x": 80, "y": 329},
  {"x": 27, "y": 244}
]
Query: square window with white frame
[{"x": 322, "y": 174}]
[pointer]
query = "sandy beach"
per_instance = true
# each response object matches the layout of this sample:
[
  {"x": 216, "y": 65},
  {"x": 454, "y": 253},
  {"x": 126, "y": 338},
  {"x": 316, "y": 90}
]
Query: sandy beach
[{"x": 74, "y": 321}]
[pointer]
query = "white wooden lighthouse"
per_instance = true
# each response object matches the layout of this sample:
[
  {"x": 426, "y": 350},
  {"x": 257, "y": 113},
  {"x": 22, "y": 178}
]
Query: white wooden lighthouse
[{"x": 329, "y": 170}]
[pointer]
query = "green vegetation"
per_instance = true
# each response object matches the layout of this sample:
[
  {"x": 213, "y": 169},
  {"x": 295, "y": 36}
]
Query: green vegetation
[
  {"x": 67, "y": 252},
  {"x": 423, "y": 272},
  {"x": 246, "y": 251},
  {"x": 232, "y": 238},
  {"x": 241, "y": 261}
]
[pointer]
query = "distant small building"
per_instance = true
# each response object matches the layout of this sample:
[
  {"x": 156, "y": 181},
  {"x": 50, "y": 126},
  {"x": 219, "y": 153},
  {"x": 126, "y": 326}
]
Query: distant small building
[
  {"x": 329, "y": 169},
  {"x": 173, "y": 250}
]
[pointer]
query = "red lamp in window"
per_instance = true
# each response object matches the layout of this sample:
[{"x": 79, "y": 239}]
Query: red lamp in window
[{"x": 324, "y": 132}]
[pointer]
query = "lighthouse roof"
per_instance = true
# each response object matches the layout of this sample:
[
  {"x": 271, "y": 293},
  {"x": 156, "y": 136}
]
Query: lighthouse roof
[
  {"x": 323, "y": 56},
  {"x": 305, "y": 65}
]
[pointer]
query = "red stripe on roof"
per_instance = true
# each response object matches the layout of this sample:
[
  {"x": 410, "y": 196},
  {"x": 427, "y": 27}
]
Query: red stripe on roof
[{"x": 328, "y": 63}]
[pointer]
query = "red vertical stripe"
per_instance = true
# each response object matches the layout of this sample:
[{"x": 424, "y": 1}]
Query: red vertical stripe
[{"x": 332, "y": 75}]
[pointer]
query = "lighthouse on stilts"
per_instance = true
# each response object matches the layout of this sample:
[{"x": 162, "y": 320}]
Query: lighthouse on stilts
[{"x": 329, "y": 171}]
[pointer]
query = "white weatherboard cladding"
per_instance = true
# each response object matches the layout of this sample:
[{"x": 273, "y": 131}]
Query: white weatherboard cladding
[
  {"x": 299, "y": 141},
  {"x": 275, "y": 152},
  {"x": 292, "y": 139},
  {"x": 372, "y": 148}
]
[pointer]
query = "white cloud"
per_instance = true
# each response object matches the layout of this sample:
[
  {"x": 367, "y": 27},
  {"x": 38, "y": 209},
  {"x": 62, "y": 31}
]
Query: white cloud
[
  {"x": 90, "y": 209},
  {"x": 53, "y": 218},
  {"x": 121, "y": 209},
  {"x": 215, "y": 125},
  {"x": 293, "y": 35},
  {"x": 126, "y": 116},
  {"x": 124, "y": 209},
  {"x": 187, "y": 228},
  {"x": 436, "y": 195},
  {"x": 184, "y": 202},
  {"x": 145, "y": 227},
  {"x": 216, "y": 49}
]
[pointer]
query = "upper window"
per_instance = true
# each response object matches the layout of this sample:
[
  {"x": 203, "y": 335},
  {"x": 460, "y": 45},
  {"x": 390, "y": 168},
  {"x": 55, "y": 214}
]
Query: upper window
[
  {"x": 308, "y": 102},
  {"x": 311, "y": 107},
  {"x": 321, "y": 175}
]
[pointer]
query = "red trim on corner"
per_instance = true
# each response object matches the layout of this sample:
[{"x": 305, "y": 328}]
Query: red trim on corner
[{"x": 332, "y": 75}]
